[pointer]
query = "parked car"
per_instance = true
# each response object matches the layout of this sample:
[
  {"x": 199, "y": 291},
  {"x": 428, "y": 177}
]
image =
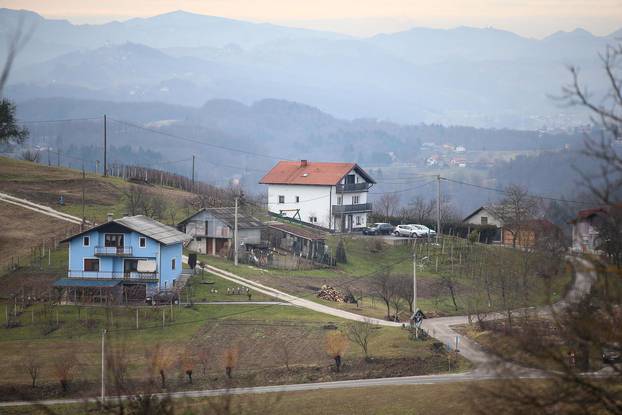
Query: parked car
[
  {"x": 164, "y": 297},
  {"x": 424, "y": 230},
  {"x": 612, "y": 353},
  {"x": 379, "y": 229},
  {"x": 410, "y": 231}
]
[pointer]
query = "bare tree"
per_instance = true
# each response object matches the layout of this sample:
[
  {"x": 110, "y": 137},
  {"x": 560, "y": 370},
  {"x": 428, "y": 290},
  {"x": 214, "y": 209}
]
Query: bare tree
[
  {"x": 388, "y": 204},
  {"x": 64, "y": 365},
  {"x": 336, "y": 346},
  {"x": 421, "y": 210},
  {"x": 583, "y": 334},
  {"x": 32, "y": 364},
  {"x": 405, "y": 290},
  {"x": 16, "y": 42},
  {"x": 134, "y": 198},
  {"x": 360, "y": 332},
  {"x": 384, "y": 287},
  {"x": 516, "y": 209},
  {"x": 230, "y": 360}
]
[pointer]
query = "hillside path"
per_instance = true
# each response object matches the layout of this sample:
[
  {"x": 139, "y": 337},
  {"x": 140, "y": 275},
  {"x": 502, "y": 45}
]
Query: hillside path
[{"x": 27, "y": 204}]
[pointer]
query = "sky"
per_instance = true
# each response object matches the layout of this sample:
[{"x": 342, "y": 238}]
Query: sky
[{"x": 531, "y": 18}]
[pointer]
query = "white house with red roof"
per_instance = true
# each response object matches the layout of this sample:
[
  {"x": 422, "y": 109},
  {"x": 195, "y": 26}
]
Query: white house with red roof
[{"x": 331, "y": 195}]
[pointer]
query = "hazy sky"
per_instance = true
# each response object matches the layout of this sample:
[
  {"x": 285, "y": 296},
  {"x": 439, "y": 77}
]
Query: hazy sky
[{"x": 535, "y": 18}]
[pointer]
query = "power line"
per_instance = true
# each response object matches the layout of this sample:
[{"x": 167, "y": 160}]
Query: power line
[
  {"x": 195, "y": 141},
  {"x": 493, "y": 189},
  {"x": 58, "y": 120}
]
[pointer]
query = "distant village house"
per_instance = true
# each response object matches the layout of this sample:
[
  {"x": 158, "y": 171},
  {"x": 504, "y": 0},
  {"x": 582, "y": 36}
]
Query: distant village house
[
  {"x": 211, "y": 230},
  {"x": 329, "y": 195}
]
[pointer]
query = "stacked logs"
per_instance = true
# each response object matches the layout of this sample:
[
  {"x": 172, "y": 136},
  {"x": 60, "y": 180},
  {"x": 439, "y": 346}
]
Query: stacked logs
[{"x": 331, "y": 294}]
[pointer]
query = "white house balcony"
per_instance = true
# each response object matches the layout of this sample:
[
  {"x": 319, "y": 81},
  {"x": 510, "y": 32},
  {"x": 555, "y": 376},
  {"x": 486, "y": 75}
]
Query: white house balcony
[
  {"x": 358, "y": 208},
  {"x": 113, "y": 251},
  {"x": 108, "y": 275},
  {"x": 353, "y": 187}
]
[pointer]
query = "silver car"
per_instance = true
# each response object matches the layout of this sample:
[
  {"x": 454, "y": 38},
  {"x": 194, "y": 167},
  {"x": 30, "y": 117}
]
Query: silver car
[
  {"x": 407, "y": 230},
  {"x": 423, "y": 230}
]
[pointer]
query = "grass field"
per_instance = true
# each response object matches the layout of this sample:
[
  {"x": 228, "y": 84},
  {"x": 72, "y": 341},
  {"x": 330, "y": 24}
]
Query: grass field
[
  {"x": 23, "y": 229},
  {"x": 411, "y": 400},
  {"x": 454, "y": 261}
]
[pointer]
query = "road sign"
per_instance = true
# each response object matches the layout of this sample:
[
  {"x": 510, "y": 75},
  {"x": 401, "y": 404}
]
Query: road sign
[{"x": 418, "y": 317}]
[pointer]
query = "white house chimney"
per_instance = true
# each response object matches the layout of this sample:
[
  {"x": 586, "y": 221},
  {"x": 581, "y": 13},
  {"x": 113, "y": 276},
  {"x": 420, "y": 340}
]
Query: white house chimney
[
  {"x": 303, "y": 163},
  {"x": 109, "y": 217}
]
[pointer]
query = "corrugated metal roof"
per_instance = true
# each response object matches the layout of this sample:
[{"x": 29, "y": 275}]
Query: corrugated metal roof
[
  {"x": 86, "y": 282},
  {"x": 227, "y": 215},
  {"x": 311, "y": 173},
  {"x": 153, "y": 229},
  {"x": 305, "y": 233}
]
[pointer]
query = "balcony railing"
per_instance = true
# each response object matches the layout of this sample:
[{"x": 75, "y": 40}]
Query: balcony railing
[
  {"x": 111, "y": 275},
  {"x": 353, "y": 187},
  {"x": 359, "y": 208},
  {"x": 113, "y": 251}
]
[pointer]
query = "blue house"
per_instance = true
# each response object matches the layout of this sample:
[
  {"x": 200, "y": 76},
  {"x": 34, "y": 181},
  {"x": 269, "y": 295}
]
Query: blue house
[{"x": 122, "y": 260}]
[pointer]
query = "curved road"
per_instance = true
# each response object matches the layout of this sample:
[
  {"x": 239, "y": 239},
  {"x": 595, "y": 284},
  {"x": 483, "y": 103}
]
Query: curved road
[{"x": 440, "y": 328}]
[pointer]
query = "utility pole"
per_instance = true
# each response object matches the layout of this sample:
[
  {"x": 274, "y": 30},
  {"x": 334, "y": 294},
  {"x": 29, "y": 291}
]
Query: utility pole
[
  {"x": 58, "y": 157},
  {"x": 415, "y": 276},
  {"x": 235, "y": 234},
  {"x": 192, "y": 173},
  {"x": 49, "y": 164},
  {"x": 105, "y": 148},
  {"x": 438, "y": 207},
  {"x": 83, "y": 196},
  {"x": 103, "y": 397}
]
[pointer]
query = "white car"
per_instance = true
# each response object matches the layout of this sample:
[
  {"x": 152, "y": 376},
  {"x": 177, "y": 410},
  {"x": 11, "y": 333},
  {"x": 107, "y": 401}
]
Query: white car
[
  {"x": 423, "y": 230},
  {"x": 409, "y": 231}
]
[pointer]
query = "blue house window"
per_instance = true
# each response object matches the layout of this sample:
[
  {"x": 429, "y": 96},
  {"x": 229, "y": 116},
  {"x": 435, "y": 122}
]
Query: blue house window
[
  {"x": 91, "y": 264},
  {"x": 173, "y": 263},
  {"x": 142, "y": 242},
  {"x": 86, "y": 241}
]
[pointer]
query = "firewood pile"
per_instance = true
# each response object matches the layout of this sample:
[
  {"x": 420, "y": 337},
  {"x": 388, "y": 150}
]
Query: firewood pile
[{"x": 331, "y": 294}]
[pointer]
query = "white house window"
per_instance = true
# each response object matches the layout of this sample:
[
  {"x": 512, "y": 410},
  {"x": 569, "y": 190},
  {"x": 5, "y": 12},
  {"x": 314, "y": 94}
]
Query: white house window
[
  {"x": 297, "y": 199},
  {"x": 142, "y": 242},
  {"x": 91, "y": 264},
  {"x": 313, "y": 219},
  {"x": 173, "y": 263},
  {"x": 355, "y": 200},
  {"x": 281, "y": 199},
  {"x": 358, "y": 220},
  {"x": 86, "y": 241},
  {"x": 484, "y": 220},
  {"x": 339, "y": 200}
]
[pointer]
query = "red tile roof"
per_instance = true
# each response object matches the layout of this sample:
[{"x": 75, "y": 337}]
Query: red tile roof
[{"x": 310, "y": 173}]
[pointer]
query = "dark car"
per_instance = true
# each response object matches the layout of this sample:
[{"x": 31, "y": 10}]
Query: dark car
[
  {"x": 379, "y": 229},
  {"x": 612, "y": 353},
  {"x": 163, "y": 297}
]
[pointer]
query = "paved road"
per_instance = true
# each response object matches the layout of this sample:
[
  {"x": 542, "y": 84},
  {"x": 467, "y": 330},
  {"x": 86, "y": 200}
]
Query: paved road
[
  {"x": 298, "y": 301},
  {"x": 440, "y": 328},
  {"x": 345, "y": 384},
  {"x": 283, "y": 303}
]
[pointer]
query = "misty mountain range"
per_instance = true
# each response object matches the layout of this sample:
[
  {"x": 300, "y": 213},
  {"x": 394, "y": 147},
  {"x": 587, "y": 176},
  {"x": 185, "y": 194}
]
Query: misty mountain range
[{"x": 467, "y": 76}]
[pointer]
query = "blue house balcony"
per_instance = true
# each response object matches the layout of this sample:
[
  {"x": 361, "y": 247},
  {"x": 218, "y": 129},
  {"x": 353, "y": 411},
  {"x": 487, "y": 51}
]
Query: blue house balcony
[{"x": 121, "y": 251}]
